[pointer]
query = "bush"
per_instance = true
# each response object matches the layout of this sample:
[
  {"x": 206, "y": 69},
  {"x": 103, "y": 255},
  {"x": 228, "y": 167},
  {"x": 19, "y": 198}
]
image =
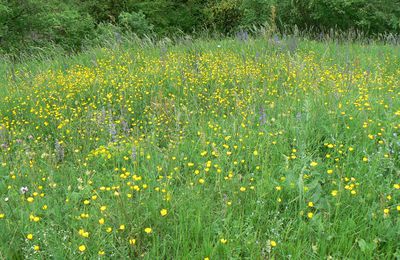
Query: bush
[
  {"x": 70, "y": 28},
  {"x": 371, "y": 17},
  {"x": 256, "y": 12},
  {"x": 225, "y": 15},
  {"x": 37, "y": 24},
  {"x": 106, "y": 34},
  {"x": 4, "y": 11},
  {"x": 135, "y": 22}
]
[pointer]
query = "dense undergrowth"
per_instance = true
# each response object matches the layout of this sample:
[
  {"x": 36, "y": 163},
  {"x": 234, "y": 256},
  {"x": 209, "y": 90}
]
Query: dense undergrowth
[{"x": 33, "y": 26}]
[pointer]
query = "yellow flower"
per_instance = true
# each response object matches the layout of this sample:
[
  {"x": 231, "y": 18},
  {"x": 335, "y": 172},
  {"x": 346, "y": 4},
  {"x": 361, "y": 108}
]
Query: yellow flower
[
  {"x": 101, "y": 252},
  {"x": 272, "y": 243},
  {"x": 2, "y": 215},
  {"x": 132, "y": 241},
  {"x": 242, "y": 189},
  {"x": 122, "y": 227},
  {"x": 334, "y": 193},
  {"x": 223, "y": 241},
  {"x": 329, "y": 171},
  {"x": 255, "y": 153},
  {"x": 82, "y": 248},
  {"x": 313, "y": 164},
  {"x": 101, "y": 221},
  {"x": 310, "y": 215},
  {"x": 36, "y": 248},
  {"x": 83, "y": 233},
  {"x": 310, "y": 204},
  {"x": 29, "y": 236},
  {"x": 29, "y": 199},
  {"x": 163, "y": 212},
  {"x": 148, "y": 230},
  {"x": 103, "y": 208},
  {"x": 201, "y": 181}
]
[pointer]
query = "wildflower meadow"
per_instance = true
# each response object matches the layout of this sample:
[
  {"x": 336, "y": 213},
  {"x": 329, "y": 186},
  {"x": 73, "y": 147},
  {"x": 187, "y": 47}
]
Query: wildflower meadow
[{"x": 251, "y": 148}]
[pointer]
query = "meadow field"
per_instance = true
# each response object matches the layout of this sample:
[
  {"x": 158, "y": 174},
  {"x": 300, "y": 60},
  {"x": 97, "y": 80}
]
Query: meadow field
[{"x": 207, "y": 149}]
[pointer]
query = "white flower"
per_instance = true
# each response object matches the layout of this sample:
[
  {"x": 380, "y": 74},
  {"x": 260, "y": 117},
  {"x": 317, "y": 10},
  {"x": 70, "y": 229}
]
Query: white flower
[{"x": 24, "y": 190}]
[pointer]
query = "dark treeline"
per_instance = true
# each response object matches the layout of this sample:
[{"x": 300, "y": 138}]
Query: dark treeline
[{"x": 71, "y": 24}]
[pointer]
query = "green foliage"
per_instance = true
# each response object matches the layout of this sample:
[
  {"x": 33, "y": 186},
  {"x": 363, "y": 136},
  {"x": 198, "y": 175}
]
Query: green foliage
[
  {"x": 368, "y": 16},
  {"x": 4, "y": 12},
  {"x": 34, "y": 23},
  {"x": 383, "y": 16},
  {"x": 70, "y": 27},
  {"x": 256, "y": 12},
  {"x": 25, "y": 25},
  {"x": 103, "y": 10},
  {"x": 225, "y": 15},
  {"x": 135, "y": 22},
  {"x": 171, "y": 16}
]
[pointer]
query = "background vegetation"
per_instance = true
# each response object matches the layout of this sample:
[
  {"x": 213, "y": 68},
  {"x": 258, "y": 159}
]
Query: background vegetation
[{"x": 71, "y": 25}]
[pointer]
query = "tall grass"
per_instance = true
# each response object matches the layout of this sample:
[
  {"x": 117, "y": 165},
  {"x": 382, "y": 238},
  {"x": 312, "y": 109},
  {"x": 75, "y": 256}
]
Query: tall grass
[{"x": 243, "y": 147}]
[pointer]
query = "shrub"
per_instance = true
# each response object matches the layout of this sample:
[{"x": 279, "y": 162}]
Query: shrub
[
  {"x": 135, "y": 22},
  {"x": 225, "y": 15},
  {"x": 256, "y": 12},
  {"x": 70, "y": 28}
]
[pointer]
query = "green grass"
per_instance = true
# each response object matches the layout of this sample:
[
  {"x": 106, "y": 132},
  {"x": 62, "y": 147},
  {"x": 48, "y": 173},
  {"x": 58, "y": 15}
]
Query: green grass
[{"x": 256, "y": 149}]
